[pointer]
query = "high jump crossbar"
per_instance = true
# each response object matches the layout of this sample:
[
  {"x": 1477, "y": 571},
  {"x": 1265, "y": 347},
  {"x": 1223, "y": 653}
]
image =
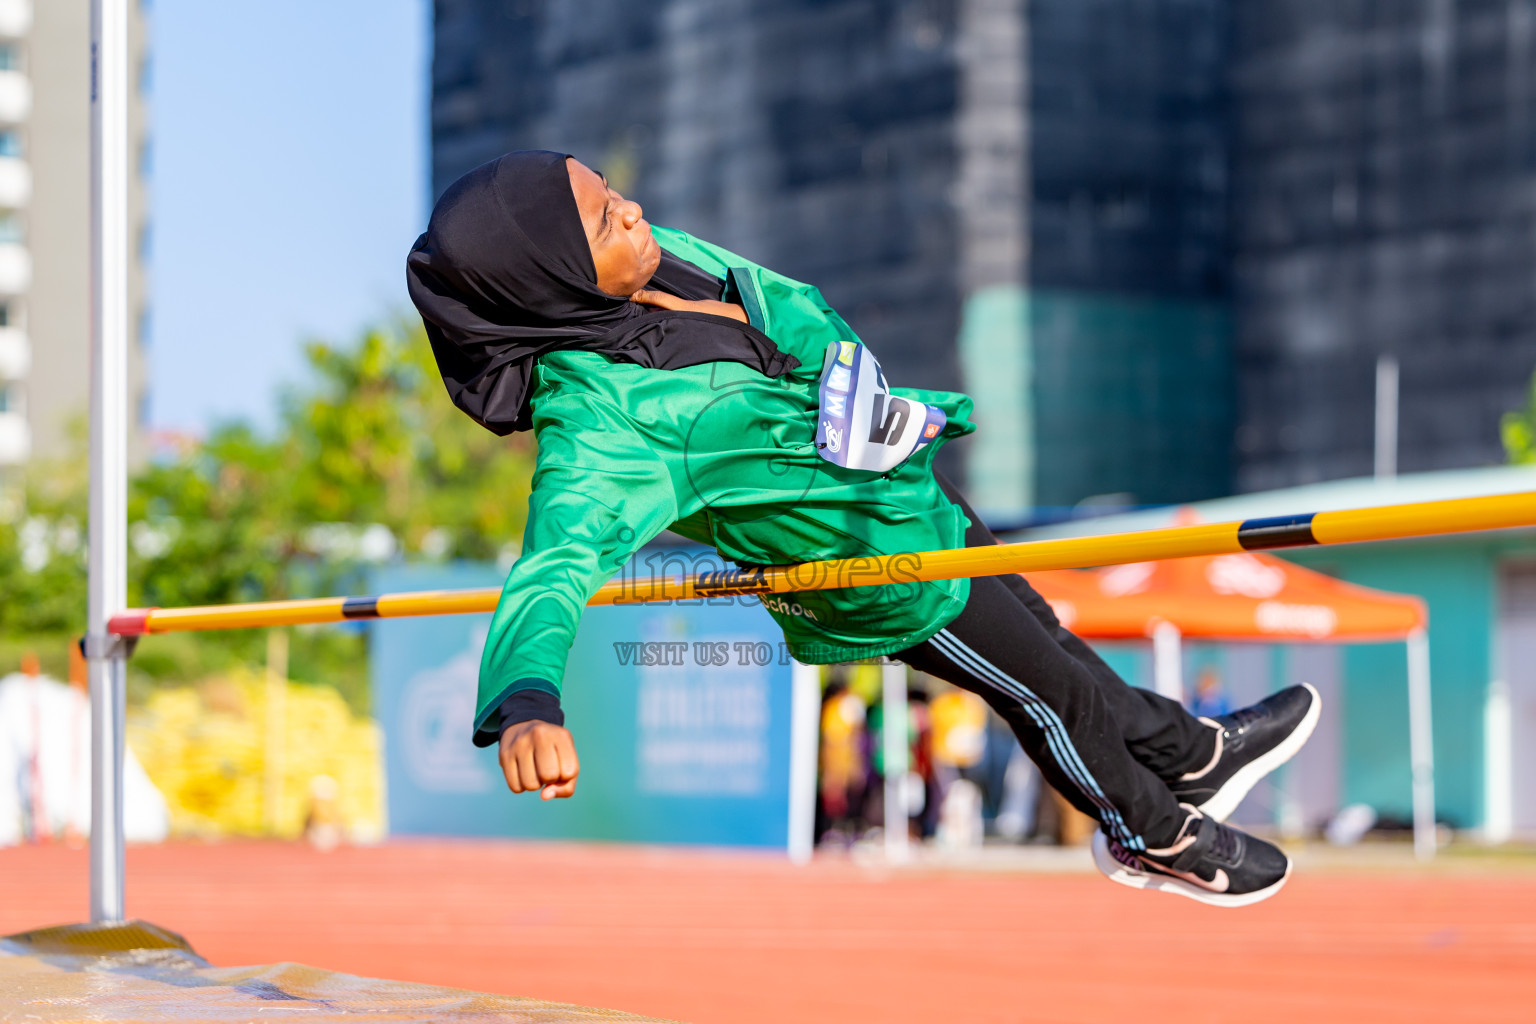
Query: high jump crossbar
[{"x": 1383, "y": 522}]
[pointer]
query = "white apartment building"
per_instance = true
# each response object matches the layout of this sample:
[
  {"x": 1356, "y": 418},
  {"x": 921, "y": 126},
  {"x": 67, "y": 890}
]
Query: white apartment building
[
  {"x": 45, "y": 226},
  {"x": 15, "y": 259}
]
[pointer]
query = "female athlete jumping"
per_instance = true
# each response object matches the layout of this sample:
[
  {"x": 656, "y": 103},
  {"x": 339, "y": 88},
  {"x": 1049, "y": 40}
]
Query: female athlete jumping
[{"x": 673, "y": 385}]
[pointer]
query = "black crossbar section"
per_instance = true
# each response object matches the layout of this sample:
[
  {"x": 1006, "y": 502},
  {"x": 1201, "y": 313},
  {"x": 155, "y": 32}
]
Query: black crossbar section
[
  {"x": 1276, "y": 532},
  {"x": 360, "y": 608},
  {"x": 730, "y": 582}
]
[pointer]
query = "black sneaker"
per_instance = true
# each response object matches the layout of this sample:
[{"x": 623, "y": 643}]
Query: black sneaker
[
  {"x": 1210, "y": 862},
  {"x": 1250, "y": 743}
]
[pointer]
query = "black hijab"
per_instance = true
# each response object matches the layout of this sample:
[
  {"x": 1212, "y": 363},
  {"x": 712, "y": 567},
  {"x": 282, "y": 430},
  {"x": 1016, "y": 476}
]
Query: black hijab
[{"x": 504, "y": 275}]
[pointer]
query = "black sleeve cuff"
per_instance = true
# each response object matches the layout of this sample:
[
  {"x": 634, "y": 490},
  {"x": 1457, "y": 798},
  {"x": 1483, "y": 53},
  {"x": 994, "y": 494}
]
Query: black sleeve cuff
[{"x": 531, "y": 706}]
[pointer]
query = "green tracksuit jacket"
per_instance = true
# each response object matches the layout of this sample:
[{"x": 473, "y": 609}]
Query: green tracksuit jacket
[{"x": 725, "y": 456}]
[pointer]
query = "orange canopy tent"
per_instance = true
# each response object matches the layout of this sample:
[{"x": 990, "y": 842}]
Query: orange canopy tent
[{"x": 1249, "y": 596}]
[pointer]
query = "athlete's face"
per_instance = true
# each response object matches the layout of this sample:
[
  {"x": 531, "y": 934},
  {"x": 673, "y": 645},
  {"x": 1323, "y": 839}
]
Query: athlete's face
[{"x": 623, "y": 250}]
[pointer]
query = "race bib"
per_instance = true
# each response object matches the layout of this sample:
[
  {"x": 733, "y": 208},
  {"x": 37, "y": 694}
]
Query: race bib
[{"x": 864, "y": 426}]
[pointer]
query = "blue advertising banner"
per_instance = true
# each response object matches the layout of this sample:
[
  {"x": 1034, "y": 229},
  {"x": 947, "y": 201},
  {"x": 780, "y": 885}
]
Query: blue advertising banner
[{"x": 680, "y": 715}]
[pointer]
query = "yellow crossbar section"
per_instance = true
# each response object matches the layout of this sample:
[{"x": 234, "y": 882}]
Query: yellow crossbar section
[{"x": 1389, "y": 522}]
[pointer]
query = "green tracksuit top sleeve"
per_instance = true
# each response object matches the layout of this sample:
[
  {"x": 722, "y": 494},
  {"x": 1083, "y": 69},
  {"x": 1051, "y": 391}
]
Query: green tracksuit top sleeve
[
  {"x": 598, "y": 494},
  {"x": 727, "y": 457}
]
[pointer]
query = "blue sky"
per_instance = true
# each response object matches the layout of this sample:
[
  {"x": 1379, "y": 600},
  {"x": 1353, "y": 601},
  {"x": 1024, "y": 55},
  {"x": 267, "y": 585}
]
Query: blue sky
[{"x": 289, "y": 178}]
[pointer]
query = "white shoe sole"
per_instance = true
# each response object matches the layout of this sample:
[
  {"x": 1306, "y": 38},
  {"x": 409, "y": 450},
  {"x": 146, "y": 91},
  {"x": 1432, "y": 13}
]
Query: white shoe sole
[
  {"x": 1221, "y": 805},
  {"x": 1118, "y": 872}
]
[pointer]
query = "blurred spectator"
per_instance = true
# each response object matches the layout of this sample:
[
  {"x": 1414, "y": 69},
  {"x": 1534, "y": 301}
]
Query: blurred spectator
[
  {"x": 960, "y": 821},
  {"x": 915, "y": 789},
  {"x": 923, "y": 801},
  {"x": 991, "y": 771},
  {"x": 1016, "y": 817},
  {"x": 959, "y": 741},
  {"x": 844, "y": 769},
  {"x": 874, "y": 815},
  {"x": 1210, "y": 698}
]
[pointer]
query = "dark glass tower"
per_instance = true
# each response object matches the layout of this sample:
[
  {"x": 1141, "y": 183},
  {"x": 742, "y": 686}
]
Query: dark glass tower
[
  {"x": 1027, "y": 207},
  {"x": 1384, "y": 166}
]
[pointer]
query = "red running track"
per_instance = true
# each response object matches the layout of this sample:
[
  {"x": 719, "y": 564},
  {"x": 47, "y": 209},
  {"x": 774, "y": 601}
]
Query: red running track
[{"x": 725, "y": 938}]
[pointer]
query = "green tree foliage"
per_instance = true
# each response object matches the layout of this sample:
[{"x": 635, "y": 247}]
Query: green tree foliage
[
  {"x": 42, "y": 552},
  {"x": 1519, "y": 431},
  {"x": 382, "y": 444},
  {"x": 370, "y": 463}
]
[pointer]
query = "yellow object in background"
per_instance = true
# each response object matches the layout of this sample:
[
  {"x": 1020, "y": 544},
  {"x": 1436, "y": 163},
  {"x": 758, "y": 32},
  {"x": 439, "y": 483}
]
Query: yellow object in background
[
  {"x": 864, "y": 682},
  {"x": 842, "y": 724},
  {"x": 959, "y": 728},
  {"x": 206, "y": 748}
]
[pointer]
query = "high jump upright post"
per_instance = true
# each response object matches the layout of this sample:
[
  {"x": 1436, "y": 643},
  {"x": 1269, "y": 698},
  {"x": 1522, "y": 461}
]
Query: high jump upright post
[{"x": 105, "y": 653}]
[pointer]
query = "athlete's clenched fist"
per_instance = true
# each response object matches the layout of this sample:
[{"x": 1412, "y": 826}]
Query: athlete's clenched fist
[{"x": 539, "y": 756}]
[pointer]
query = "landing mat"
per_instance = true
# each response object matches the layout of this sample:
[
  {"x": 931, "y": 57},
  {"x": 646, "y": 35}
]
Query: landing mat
[{"x": 139, "y": 973}]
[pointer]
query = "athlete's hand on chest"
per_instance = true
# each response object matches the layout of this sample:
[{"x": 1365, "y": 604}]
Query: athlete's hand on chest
[
  {"x": 539, "y": 756},
  {"x": 666, "y": 300}
]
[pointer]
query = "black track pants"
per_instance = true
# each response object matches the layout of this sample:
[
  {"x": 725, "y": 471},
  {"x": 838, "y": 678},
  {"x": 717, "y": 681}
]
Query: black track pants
[{"x": 1106, "y": 746}]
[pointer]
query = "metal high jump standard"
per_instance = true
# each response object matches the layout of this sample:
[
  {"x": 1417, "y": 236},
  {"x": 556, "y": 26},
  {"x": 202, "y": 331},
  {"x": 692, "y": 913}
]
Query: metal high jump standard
[{"x": 107, "y": 654}]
